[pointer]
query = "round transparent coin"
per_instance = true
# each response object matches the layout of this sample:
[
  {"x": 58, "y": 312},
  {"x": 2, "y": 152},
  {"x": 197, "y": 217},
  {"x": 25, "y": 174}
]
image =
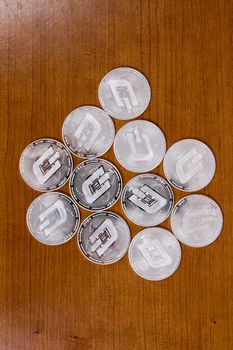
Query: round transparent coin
[
  {"x": 147, "y": 200},
  {"x": 95, "y": 184},
  {"x": 154, "y": 254},
  {"x": 104, "y": 238},
  {"x": 88, "y": 132},
  {"x": 124, "y": 93},
  {"x": 139, "y": 146},
  {"x": 45, "y": 165},
  {"x": 196, "y": 220},
  {"x": 53, "y": 218},
  {"x": 189, "y": 165}
]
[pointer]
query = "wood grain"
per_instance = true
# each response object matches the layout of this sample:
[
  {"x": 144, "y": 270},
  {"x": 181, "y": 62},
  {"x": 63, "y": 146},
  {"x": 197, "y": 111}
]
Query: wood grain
[{"x": 53, "y": 56}]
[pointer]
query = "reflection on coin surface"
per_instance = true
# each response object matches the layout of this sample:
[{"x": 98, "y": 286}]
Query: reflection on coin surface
[
  {"x": 88, "y": 132},
  {"x": 53, "y": 218},
  {"x": 104, "y": 238},
  {"x": 196, "y": 220},
  {"x": 45, "y": 165},
  {"x": 147, "y": 200},
  {"x": 95, "y": 184},
  {"x": 154, "y": 254},
  {"x": 189, "y": 165},
  {"x": 139, "y": 146},
  {"x": 124, "y": 93}
]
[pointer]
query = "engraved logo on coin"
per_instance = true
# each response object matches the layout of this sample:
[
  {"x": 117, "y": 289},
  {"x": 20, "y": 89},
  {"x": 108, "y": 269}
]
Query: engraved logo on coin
[
  {"x": 155, "y": 254},
  {"x": 147, "y": 199},
  {"x": 124, "y": 94},
  {"x": 189, "y": 165},
  {"x": 140, "y": 145},
  {"x": 96, "y": 185},
  {"x": 103, "y": 237},
  {"x": 87, "y": 132},
  {"x": 52, "y": 218},
  {"x": 46, "y": 165}
]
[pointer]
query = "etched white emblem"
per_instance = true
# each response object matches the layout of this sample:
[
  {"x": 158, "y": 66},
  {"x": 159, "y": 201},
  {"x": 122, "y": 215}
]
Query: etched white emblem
[
  {"x": 96, "y": 185},
  {"x": 147, "y": 199},
  {"x": 87, "y": 132},
  {"x": 189, "y": 165},
  {"x": 52, "y": 217},
  {"x": 103, "y": 237},
  {"x": 140, "y": 145},
  {"x": 123, "y": 93},
  {"x": 196, "y": 220},
  {"x": 47, "y": 165},
  {"x": 155, "y": 254}
]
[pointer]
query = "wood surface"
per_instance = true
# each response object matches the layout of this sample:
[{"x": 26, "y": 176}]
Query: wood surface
[{"x": 53, "y": 56}]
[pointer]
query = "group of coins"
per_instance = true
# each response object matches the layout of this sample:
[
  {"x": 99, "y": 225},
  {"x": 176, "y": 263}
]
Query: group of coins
[{"x": 96, "y": 184}]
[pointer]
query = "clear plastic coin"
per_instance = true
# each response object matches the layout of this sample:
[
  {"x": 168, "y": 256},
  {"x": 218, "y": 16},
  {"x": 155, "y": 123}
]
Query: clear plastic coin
[
  {"x": 88, "y": 132},
  {"x": 154, "y": 254},
  {"x": 147, "y": 200},
  {"x": 104, "y": 238},
  {"x": 124, "y": 93},
  {"x": 189, "y": 165},
  {"x": 95, "y": 184},
  {"x": 196, "y": 220},
  {"x": 45, "y": 165},
  {"x": 53, "y": 218},
  {"x": 139, "y": 146}
]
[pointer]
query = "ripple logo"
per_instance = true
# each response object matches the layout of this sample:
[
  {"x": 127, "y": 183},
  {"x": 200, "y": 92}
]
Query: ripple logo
[
  {"x": 87, "y": 132},
  {"x": 52, "y": 218},
  {"x": 124, "y": 94},
  {"x": 140, "y": 146},
  {"x": 147, "y": 199},
  {"x": 103, "y": 237},
  {"x": 155, "y": 254},
  {"x": 47, "y": 165},
  {"x": 189, "y": 165},
  {"x": 96, "y": 185}
]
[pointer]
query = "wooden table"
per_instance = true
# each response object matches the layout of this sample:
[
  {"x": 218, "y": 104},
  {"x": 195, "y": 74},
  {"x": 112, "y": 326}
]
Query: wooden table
[{"x": 53, "y": 56}]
